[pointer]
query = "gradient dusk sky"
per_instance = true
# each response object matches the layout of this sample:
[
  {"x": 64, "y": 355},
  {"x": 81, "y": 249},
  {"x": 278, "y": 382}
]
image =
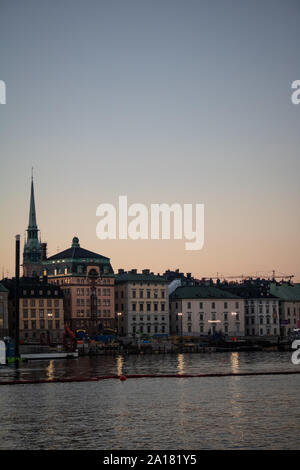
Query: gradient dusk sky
[{"x": 185, "y": 101}]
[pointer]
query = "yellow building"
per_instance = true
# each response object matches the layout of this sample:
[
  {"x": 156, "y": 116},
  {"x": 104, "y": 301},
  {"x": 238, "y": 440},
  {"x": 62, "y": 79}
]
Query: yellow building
[
  {"x": 141, "y": 303},
  {"x": 41, "y": 313}
]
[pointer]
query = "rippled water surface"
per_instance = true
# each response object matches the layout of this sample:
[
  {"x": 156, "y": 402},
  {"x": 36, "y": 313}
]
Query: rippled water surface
[{"x": 153, "y": 413}]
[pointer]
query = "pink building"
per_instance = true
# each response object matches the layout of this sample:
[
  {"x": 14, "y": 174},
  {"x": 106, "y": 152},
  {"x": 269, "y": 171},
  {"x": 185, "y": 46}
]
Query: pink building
[{"x": 87, "y": 281}]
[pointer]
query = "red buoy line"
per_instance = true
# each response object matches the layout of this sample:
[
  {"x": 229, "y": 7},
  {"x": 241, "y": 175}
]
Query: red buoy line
[{"x": 123, "y": 378}]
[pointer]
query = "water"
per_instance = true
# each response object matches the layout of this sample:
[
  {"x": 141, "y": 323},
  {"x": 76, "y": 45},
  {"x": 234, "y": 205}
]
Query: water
[{"x": 261, "y": 412}]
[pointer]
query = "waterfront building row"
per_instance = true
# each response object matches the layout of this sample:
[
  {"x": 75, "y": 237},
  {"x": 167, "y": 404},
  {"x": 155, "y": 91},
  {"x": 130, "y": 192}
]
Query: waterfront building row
[{"x": 78, "y": 288}]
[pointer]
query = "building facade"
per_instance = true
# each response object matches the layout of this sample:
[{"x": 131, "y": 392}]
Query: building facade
[
  {"x": 201, "y": 310},
  {"x": 289, "y": 306},
  {"x": 87, "y": 282},
  {"x": 3, "y": 311},
  {"x": 141, "y": 304},
  {"x": 261, "y": 308},
  {"x": 41, "y": 311}
]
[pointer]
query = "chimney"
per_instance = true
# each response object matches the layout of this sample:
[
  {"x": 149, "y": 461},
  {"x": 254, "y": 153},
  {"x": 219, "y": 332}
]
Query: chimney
[
  {"x": 17, "y": 321},
  {"x": 44, "y": 251}
]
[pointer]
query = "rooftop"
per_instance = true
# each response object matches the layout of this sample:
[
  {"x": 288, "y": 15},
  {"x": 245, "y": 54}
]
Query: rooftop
[
  {"x": 134, "y": 276},
  {"x": 76, "y": 253},
  {"x": 201, "y": 292}
]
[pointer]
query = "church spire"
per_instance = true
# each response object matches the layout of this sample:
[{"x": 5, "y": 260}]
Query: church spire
[
  {"x": 32, "y": 254},
  {"x": 32, "y": 215}
]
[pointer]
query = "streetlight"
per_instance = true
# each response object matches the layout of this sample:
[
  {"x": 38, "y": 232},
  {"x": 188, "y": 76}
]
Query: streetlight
[
  {"x": 119, "y": 314},
  {"x": 180, "y": 314},
  {"x": 234, "y": 314}
]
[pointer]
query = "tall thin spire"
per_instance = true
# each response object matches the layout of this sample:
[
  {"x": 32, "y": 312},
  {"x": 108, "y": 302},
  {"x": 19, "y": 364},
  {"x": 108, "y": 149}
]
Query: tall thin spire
[
  {"x": 32, "y": 254},
  {"x": 32, "y": 214}
]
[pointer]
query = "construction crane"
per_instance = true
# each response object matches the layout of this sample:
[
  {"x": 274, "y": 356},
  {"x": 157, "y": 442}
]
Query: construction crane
[{"x": 257, "y": 274}]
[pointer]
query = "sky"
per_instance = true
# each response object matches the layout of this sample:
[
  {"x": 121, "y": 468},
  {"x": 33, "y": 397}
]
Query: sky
[{"x": 165, "y": 101}]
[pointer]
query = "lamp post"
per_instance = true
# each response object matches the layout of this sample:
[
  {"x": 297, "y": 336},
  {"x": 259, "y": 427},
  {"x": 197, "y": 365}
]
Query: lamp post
[
  {"x": 234, "y": 314},
  {"x": 119, "y": 315},
  {"x": 180, "y": 314}
]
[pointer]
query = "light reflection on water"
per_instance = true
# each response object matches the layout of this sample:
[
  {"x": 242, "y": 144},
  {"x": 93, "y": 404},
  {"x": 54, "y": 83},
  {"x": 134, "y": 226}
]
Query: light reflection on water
[{"x": 186, "y": 413}]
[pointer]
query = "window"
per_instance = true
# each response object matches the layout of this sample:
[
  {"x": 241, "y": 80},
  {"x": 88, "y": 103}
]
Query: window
[
  {"x": 134, "y": 307},
  {"x": 213, "y": 305},
  {"x": 42, "y": 313},
  {"x": 141, "y": 307},
  {"x": 201, "y": 305},
  {"x": 237, "y": 305},
  {"x": 134, "y": 293},
  {"x": 155, "y": 307},
  {"x": 189, "y": 305},
  {"x": 148, "y": 307},
  {"x": 225, "y": 305}
]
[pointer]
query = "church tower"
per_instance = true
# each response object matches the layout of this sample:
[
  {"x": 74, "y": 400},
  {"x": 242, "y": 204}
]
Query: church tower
[{"x": 32, "y": 254}]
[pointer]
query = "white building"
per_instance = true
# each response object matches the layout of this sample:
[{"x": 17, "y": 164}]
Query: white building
[
  {"x": 206, "y": 310},
  {"x": 261, "y": 308}
]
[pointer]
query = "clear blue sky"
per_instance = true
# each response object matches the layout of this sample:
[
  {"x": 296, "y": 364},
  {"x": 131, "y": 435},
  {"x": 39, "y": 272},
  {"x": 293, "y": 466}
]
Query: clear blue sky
[{"x": 164, "y": 101}]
